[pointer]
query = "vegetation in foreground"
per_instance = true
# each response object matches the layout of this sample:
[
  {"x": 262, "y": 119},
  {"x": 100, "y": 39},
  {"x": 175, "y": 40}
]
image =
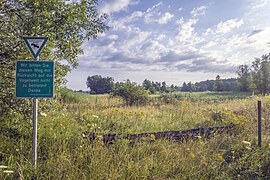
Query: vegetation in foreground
[{"x": 64, "y": 153}]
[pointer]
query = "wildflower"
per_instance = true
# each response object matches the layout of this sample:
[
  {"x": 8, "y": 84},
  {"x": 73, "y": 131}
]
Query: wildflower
[
  {"x": 3, "y": 167},
  {"x": 43, "y": 114},
  {"x": 8, "y": 171},
  {"x": 84, "y": 134},
  {"x": 246, "y": 143},
  {"x": 192, "y": 155},
  {"x": 95, "y": 116},
  {"x": 220, "y": 158},
  {"x": 152, "y": 137}
]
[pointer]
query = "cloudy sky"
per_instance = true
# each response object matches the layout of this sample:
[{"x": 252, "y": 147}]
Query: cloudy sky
[{"x": 175, "y": 40}]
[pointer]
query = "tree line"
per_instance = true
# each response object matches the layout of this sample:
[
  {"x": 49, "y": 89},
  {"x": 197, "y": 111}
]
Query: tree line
[
  {"x": 102, "y": 85},
  {"x": 217, "y": 85},
  {"x": 256, "y": 76}
]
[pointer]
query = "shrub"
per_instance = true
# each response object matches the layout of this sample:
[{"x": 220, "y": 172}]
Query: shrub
[
  {"x": 168, "y": 98},
  {"x": 131, "y": 93}
]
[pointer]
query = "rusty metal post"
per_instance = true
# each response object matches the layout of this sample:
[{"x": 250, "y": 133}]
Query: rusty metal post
[{"x": 259, "y": 123}]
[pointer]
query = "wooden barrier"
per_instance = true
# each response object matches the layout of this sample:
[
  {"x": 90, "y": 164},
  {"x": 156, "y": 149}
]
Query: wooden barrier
[{"x": 177, "y": 136}]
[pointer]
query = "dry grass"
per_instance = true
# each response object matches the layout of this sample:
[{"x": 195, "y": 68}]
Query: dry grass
[{"x": 63, "y": 153}]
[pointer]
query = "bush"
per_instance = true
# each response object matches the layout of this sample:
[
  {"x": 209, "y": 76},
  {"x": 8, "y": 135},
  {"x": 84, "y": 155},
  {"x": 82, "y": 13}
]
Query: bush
[
  {"x": 131, "y": 93},
  {"x": 168, "y": 98}
]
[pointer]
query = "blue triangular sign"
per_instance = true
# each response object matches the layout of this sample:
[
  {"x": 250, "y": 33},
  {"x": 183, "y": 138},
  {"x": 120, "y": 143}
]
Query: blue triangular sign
[{"x": 35, "y": 44}]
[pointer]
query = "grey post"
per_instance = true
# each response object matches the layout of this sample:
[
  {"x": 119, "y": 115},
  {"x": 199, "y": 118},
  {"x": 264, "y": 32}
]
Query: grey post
[
  {"x": 259, "y": 123},
  {"x": 35, "y": 119}
]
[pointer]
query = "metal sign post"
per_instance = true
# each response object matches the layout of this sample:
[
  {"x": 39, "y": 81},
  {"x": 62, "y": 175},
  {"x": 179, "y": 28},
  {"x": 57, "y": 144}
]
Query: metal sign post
[
  {"x": 35, "y": 119},
  {"x": 34, "y": 79}
]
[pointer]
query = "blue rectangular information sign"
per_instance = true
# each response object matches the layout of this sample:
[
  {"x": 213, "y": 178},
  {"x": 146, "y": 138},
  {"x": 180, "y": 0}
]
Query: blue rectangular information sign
[{"x": 34, "y": 79}]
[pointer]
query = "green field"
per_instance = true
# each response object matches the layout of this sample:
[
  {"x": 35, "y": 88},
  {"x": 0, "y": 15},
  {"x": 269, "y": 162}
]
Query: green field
[{"x": 64, "y": 153}]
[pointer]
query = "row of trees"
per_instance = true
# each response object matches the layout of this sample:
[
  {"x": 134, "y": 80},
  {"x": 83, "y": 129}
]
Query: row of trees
[
  {"x": 211, "y": 85},
  {"x": 154, "y": 87},
  {"x": 255, "y": 77},
  {"x": 102, "y": 85}
]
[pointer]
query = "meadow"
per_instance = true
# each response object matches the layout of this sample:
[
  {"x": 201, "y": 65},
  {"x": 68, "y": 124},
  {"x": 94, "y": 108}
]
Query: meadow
[{"x": 64, "y": 152}]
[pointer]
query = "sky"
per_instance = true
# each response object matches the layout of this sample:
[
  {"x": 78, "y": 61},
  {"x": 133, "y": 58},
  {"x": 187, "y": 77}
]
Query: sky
[{"x": 174, "y": 40}]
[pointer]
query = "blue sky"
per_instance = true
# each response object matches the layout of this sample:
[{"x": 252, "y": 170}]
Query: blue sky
[{"x": 175, "y": 40}]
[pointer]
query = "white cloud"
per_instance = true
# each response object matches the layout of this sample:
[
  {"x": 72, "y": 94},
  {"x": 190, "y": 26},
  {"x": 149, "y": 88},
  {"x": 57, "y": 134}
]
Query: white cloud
[
  {"x": 224, "y": 27},
  {"x": 259, "y": 41},
  {"x": 160, "y": 37},
  {"x": 181, "y": 46},
  {"x": 114, "y": 6},
  {"x": 227, "y": 26},
  {"x": 154, "y": 7},
  {"x": 186, "y": 34},
  {"x": 198, "y": 11},
  {"x": 133, "y": 43},
  {"x": 152, "y": 13},
  {"x": 152, "y": 50},
  {"x": 257, "y": 14},
  {"x": 122, "y": 22},
  {"x": 165, "y": 18},
  {"x": 258, "y": 5},
  {"x": 113, "y": 37}
]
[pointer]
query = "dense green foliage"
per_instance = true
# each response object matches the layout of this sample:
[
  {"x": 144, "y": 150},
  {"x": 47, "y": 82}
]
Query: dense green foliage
[
  {"x": 99, "y": 84},
  {"x": 65, "y": 153},
  {"x": 255, "y": 77},
  {"x": 162, "y": 87},
  {"x": 102, "y": 85},
  {"x": 208, "y": 85},
  {"x": 131, "y": 93},
  {"x": 218, "y": 84},
  {"x": 66, "y": 25}
]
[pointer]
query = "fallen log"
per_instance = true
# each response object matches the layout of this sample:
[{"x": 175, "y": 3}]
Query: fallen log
[{"x": 177, "y": 136}]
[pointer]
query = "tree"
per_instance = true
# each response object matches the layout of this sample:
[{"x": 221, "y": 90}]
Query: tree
[
  {"x": 190, "y": 87},
  {"x": 173, "y": 88},
  {"x": 185, "y": 88},
  {"x": 260, "y": 75},
  {"x": 66, "y": 24},
  {"x": 131, "y": 93},
  {"x": 157, "y": 85},
  {"x": 201, "y": 86},
  {"x": 265, "y": 69},
  {"x": 163, "y": 87},
  {"x": 218, "y": 84},
  {"x": 257, "y": 75},
  {"x": 152, "y": 90},
  {"x": 147, "y": 84},
  {"x": 243, "y": 72},
  {"x": 99, "y": 84}
]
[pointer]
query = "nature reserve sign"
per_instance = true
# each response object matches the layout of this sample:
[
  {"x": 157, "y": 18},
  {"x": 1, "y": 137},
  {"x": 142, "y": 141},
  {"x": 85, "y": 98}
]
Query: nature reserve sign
[
  {"x": 35, "y": 44},
  {"x": 34, "y": 79}
]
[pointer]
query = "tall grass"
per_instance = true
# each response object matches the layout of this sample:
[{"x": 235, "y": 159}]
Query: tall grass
[{"x": 64, "y": 153}]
